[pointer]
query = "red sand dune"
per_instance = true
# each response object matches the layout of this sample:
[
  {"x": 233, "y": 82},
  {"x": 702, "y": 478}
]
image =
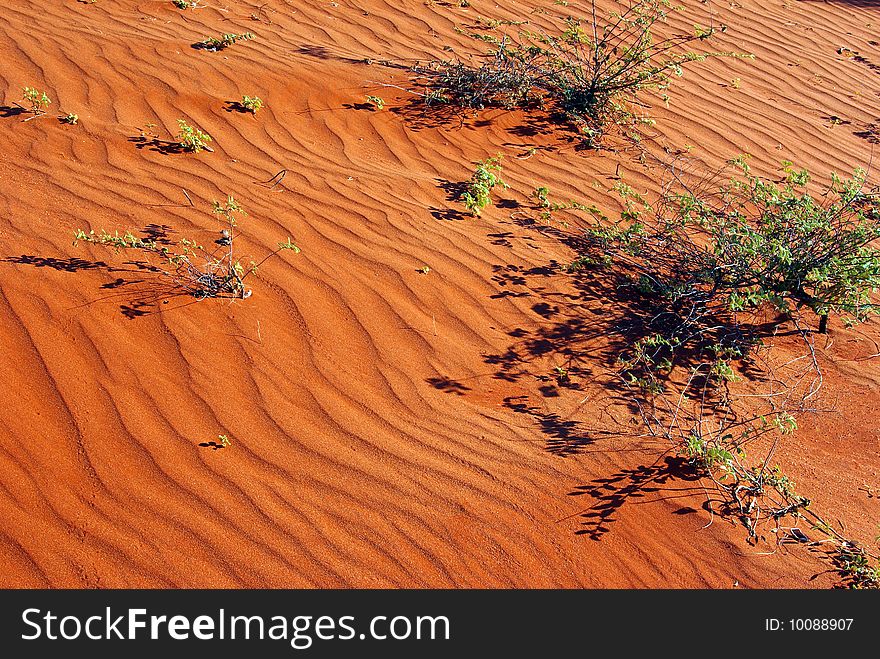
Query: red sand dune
[{"x": 373, "y": 442}]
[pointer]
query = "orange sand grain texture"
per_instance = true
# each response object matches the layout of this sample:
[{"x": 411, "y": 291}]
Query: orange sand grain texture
[{"x": 376, "y": 441}]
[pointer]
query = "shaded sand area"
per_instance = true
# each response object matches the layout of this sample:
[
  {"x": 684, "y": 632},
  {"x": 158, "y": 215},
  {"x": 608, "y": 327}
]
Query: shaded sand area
[{"x": 389, "y": 427}]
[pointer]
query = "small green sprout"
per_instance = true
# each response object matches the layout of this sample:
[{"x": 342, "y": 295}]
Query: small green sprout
[
  {"x": 377, "y": 101},
  {"x": 290, "y": 246},
  {"x": 561, "y": 373},
  {"x": 192, "y": 139},
  {"x": 253, "y": 103},
  {"x": 37, "y": 99}
]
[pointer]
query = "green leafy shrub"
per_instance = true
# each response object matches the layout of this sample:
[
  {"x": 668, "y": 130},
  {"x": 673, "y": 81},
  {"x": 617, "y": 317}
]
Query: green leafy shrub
[
  {"x": 752, "y": 243},
  {"x": 199, "y": 271},
  {"x": 191, "y": 139},
  {"x": 477, "y": 193},
  {"x": 694, "y": 305},
  {"x": 696, "y": 276}
]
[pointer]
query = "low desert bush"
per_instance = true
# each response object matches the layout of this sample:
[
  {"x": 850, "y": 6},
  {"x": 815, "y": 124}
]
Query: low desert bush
[
  {"x": 753, "y": 242},
  {"x": 696, "y": 285},
  {"x": 203, "y": 272},
  {"x": 592, "y": 70},
  {"x": 502, "y": 81}
]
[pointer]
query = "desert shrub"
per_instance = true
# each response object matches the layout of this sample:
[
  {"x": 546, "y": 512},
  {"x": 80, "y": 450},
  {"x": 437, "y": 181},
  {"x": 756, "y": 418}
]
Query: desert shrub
[
  {"x": 503, "y": 81},
  {"x": 253, "y": 103},
  {"x": 593, "y": 70},
  {"x": 224, "y": 41},
  {"x": 691, "y": 282},
  {"x": 200, "y": 271},
  {"x": 699, "y": 312},
  {"x": 477, "y": 191},
  {"x": 190, "y": 138},
  {"x": 698, "y": 268},
  {"x": 753, "y": 242}
]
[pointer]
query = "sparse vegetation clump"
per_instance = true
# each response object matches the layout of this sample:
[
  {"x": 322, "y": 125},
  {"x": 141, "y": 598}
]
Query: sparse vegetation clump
[
  {"x": 855, "y": 566},
  {"x": 191, "y": 139},
  {"x": 71, "y": 119},
  {"x": 197, "y": 270},
  {"x": 502, "y": 81},
  {"x": 224, "y": 41},
  {"x": 592, "y": 70},
  {"x": 477, "y": 192}
]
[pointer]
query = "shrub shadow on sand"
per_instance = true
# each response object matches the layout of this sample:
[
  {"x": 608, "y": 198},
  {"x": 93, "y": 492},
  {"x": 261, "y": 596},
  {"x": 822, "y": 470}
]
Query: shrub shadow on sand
[{"x": 138, "y": 286}]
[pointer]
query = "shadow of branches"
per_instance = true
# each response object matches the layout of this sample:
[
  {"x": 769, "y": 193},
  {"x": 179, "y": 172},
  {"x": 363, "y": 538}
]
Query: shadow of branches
[
  {"x": 612, "y": 492},
  {"x": 137, "y": 284}
]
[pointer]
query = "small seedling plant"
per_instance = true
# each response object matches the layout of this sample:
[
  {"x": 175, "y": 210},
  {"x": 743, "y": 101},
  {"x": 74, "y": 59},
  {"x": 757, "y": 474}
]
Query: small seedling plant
[
  {"x": 222, "y": 42},
  {"x": 71, "y": 119},
  {"x": 192, "y": 139},
  {"x": 376, "y": 101},
  {"x": 196, "y": 270},
  {"x": 477, "y": 192},
  {"x": 37, "y": 102},
  {"x": 253, "y": 104}
]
